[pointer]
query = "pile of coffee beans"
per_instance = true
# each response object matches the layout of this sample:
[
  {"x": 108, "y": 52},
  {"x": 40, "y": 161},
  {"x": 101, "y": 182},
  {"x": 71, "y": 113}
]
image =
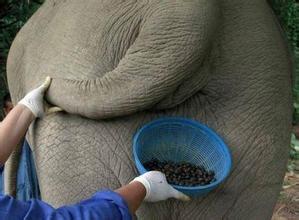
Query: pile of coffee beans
[{"x": 183, "y": 173}]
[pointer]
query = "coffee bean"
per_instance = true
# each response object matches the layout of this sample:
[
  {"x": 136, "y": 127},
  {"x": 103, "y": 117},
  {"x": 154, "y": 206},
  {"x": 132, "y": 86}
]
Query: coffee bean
[{"x": 182, "y": 173}]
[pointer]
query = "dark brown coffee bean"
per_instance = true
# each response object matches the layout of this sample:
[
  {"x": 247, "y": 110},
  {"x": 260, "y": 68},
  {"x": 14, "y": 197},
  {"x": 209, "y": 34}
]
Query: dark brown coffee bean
[{"x": 182, "y": 173}]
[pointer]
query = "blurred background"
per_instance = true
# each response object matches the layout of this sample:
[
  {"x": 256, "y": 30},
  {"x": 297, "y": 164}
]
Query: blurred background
[{"x": 14, "y": 13}]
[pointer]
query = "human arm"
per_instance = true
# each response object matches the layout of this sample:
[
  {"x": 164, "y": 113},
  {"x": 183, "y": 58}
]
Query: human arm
[
  {"x": 120, "y": 204},
  {"x": 106, "y": 205},
  {"x": 151, "y": 186},
  {"x": 13, "y": 129},
  {"x": 16, "y": 123},
  {"x": 134, "y": 194}
]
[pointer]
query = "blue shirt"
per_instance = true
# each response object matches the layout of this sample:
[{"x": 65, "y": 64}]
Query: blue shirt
[
  {"x": 104, "y": 205},
  {"x": 27, "y": 183}
]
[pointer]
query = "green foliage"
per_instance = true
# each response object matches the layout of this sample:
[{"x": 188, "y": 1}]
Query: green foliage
[
  {"x": 294, "y": 154},
  {"x": 13, "y": 15},
  {"x": 288, "y": 12}
]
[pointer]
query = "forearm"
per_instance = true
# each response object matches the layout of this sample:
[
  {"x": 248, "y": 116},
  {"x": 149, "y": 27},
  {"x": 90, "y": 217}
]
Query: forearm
[
  {"x": 106, "y": 205},
  {"x": 12, "y": 130},
  {"x": 134, "y": 194}
]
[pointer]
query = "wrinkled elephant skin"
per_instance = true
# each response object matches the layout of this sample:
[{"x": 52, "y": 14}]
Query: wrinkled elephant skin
[{"x": 117, "y": 64}]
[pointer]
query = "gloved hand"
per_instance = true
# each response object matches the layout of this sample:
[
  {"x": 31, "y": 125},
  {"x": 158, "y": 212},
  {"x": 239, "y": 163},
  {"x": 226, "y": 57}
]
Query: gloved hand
[
  {"x": 157, "y": 188},
  {"x": 34, "y": 100}
]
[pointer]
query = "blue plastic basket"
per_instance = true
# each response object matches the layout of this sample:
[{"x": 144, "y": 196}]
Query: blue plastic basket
[{"x": 179, "y": 139}]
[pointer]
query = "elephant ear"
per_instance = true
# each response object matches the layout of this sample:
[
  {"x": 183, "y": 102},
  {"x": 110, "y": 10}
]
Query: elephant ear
[{"x": 161, "y": 68}]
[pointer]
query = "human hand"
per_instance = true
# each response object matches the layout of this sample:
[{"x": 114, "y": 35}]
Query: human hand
[
  {"x": 34, "y": 100},
  {"x": 157, "y": 188}
]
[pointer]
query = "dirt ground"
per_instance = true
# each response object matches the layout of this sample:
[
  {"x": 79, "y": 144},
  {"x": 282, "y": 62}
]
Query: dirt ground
[{"x": 287, "y": 207}]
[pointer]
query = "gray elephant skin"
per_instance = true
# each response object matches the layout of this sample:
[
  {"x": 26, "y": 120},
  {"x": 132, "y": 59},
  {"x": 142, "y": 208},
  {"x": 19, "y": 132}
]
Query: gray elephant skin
[{"x": 118, "y": 64}]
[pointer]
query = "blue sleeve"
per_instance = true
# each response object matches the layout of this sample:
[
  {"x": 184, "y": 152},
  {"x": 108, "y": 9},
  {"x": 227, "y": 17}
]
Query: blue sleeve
[{"x": 102, "y": 205}]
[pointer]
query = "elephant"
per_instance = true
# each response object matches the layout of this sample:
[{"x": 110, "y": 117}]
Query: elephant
[{"x": 118, "y": 64}]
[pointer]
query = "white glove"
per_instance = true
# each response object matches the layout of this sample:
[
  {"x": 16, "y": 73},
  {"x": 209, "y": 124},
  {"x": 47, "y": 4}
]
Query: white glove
[
  {"x": 157, "y": 188},
  {"x": 34, "y": 100}
]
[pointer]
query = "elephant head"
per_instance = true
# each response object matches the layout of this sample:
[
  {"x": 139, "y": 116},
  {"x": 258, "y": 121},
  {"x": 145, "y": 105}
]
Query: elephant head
[{"x": 119, "y": 64}]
